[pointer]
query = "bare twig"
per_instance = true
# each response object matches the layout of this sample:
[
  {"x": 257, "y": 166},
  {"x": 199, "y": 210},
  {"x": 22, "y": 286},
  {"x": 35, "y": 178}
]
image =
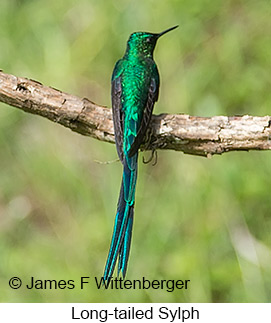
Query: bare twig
[{"x": 192, "y": 135}]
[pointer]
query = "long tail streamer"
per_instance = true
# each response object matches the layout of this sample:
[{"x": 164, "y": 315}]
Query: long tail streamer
[{"x": 122, "y": 233}]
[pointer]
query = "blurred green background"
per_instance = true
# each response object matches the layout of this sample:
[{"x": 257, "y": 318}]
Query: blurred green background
[{"x": 207, "y": 220}]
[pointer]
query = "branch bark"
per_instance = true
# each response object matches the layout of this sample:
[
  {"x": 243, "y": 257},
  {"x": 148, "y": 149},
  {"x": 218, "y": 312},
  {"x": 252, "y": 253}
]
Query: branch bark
[{"x": 192, "y": 135}]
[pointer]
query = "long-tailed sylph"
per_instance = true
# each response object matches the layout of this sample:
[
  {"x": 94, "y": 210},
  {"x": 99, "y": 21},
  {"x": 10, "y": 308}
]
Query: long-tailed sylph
[{"x": 135, "y": 88}]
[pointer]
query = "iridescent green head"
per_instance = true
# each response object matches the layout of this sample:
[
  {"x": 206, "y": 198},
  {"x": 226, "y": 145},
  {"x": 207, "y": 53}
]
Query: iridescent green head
[{"x": 143, "y": 42}]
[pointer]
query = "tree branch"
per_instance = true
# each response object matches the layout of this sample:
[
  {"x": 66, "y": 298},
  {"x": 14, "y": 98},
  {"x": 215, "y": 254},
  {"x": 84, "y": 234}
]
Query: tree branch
[{"x": 192, "y": 135}]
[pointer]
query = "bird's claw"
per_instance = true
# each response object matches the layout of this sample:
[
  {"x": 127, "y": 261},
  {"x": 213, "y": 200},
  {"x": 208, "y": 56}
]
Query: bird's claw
[{"x": 153, "y": 154}]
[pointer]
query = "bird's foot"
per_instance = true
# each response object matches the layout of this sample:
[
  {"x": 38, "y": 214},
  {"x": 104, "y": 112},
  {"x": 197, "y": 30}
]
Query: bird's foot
[
  {"x": 147, "y": 145},
  {"x": 153, "y": 155}
]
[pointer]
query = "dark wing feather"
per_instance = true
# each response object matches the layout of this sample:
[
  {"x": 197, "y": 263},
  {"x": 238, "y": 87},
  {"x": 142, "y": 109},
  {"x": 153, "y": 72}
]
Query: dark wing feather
[
  {"x": 117, "y": 115},
  {"x": 146, "y": 118}
]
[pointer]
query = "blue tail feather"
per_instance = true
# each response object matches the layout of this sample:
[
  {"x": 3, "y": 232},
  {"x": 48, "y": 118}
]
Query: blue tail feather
[
  {"x": 121, "y": 239},
  {"x": 125, "y": 248}
]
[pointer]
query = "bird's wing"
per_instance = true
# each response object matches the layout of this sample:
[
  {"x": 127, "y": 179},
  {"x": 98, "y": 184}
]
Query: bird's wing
[
  {"x": 152, "y": 97},
  {"x": 117, "y": 115}
]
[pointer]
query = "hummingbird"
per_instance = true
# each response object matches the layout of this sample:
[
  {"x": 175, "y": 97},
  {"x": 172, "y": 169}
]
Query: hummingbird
[{"x": 134, "y": 90}]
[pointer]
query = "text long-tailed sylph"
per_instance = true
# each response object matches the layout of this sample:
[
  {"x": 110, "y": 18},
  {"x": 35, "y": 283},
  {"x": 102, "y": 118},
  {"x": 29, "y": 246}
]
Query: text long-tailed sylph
[{"x": 135, "y": 88}]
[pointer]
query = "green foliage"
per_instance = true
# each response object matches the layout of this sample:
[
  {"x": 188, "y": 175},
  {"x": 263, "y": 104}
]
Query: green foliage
[{"x": 207, "y": 220}]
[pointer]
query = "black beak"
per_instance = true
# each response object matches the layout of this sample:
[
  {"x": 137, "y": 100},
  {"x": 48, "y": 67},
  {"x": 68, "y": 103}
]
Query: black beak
[{"x": 166, "y": 31}]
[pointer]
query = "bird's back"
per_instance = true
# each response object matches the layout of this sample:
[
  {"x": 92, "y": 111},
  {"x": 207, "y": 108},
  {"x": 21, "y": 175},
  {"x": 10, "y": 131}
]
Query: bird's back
[{"x": 136, "y": 80}]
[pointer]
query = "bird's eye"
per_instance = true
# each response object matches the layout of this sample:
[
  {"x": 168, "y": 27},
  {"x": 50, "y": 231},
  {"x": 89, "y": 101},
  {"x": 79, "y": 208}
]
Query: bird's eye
[{"x": 148, "y": 39}]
